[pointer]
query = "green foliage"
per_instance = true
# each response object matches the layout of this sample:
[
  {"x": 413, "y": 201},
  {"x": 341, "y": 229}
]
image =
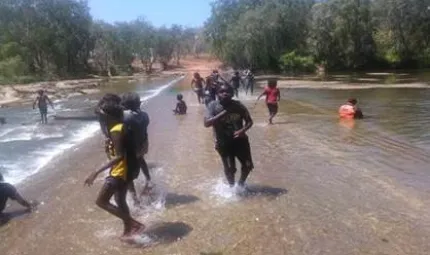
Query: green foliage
[
  {"x": 50, "y": 38},
  {"x": 343, "y": 34},
  {"x": 291, "y": 62}
]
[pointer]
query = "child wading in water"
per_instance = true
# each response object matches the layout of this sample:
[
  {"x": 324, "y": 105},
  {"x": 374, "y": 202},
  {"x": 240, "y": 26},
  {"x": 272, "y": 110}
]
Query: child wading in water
[
  {"x": 273, "y": 96},
  {"x": 181, "y": 106},
  {"x": 42, "y": 101},
  {"x": 117, "y": 181}
]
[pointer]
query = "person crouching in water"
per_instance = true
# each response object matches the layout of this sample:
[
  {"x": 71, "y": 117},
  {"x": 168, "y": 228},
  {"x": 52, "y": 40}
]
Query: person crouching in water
[
  {"x": 181, "y": 106},
  {"x": 273, "y": 96},
  {"x": 137, "y": 122},
  {"x": 116, "y": 183},
  {"x": 350, "y": 110},
  {"x": 197, "y": 85},
  {"x": 230, "y": 120}
]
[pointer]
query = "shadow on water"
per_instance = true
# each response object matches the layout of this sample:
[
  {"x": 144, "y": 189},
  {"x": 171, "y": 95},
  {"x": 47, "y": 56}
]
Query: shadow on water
[
  {"x": 169, "y": 232},
  {"x": 6, "y": 217},
  {"x": 266, "y": 191},
  {"x": 173, "y": 200}
]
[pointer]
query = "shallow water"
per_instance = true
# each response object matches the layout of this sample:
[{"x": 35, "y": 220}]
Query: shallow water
[
  {"x": 320, "y": 186},
  {"x": 26, "y": 146}
]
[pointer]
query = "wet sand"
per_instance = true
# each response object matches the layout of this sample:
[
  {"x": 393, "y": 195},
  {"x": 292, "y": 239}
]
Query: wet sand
[{"x": 306, "y": 197}]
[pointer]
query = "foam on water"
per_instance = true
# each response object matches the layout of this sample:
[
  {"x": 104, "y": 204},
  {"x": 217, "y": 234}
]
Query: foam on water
[
  {"x": 17, "y": 170},
  {"x": 224, "y": 193}
]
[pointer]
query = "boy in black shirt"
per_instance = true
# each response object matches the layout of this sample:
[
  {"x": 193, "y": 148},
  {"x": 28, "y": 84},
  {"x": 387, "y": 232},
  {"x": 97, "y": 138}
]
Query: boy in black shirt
[{"x": 230, "y": 120}]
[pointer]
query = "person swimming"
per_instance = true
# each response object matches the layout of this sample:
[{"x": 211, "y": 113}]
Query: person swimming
[
  {"x": 181, "y": 106},
  {"x": 42, "y": 101},
  {"x": 350, "y": 110}
]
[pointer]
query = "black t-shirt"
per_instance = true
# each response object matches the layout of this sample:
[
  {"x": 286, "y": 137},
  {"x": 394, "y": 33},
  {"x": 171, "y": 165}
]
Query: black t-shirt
[
  {"x": 231, "y": 122},
  {"x": 235, "y": 80},
  {"x": 6, "y": 191}
]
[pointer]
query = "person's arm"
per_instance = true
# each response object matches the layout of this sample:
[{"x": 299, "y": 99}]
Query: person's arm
[
  {"x": 117, "y": 138},
  {"x": 279, "y": 95},
  {"x": 50, "y": 102},
  {"x": 23, "y": 202},
  {"x": 211, "y": 118},
  {"x": 248, "y": 123},
  {"x": 262, "y": 94},
  {"x": 13, "y": 194},
  {"x": 192, "y": 84},
  {"x": 35, "y": 102}
]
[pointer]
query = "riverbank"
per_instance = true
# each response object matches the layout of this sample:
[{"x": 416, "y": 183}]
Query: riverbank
[
  {"x": 351, "y": 80},
  {"x": 11, "y": 95}
]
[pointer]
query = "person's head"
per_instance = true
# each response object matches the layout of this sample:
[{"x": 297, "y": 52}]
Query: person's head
[
  {"x": 272, "y": 83},
  {"x": 40, "y": 92},
  {"x": 352, "y": 101},
  {"x": 109, "y": 97},
  {"x": 196, "y": 76},
  {"x": 1, "y": 178},
  {"x": 131, "y": 101},
  {"x": 179, "y": 97},
  {"x": 225, "y": 93},
  {"x": 113, "y": 113}
]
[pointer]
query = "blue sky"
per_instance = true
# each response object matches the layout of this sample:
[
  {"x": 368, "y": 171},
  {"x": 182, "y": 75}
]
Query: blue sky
[{"x": 158, "y": 12}]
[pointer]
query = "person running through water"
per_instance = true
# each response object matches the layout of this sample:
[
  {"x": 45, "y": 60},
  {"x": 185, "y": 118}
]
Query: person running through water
[
  {"x": 8, "y": 191},
  {"x": 350, "y": 110},
  {"x": 210, "y": 90},
  {"x": 230, "y": 120},
  {"x": 235, "y": 82},
  {"x": 249, "y": 82},
  {"x": 273, "y": 96},
  {"x": 42, "y": 101},
  {"x": 117, "y": 182},
  {"x": 181, "y": 106},
  {"x": 137, "y": 122},
  {"x": 197, "y": 85}
]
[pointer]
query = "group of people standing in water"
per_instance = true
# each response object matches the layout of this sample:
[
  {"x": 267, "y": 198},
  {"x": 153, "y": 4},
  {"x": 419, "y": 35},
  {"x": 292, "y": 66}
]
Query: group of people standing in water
[{"x": 124, "y": 126}]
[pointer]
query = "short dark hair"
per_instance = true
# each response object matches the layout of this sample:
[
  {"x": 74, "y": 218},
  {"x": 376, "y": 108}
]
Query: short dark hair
[
  {"x": 113, "y": 110},
  {"x": 109, "y": 97},
  {"x": 352, "y": 101},
  {"x": 272, "y": 81},
  {"x": 131, "y": 101},
  {"x": 179, "y": 96}
]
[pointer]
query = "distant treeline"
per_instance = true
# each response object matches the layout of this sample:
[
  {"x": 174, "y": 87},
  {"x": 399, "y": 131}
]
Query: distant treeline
[
  {"x": 298, "y": 35},
  {"x": 42, "y": 39}
]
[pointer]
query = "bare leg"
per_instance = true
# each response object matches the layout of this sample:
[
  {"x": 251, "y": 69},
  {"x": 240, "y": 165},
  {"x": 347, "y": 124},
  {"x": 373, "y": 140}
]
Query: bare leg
[
  {"x": 120, "y": 199},
  {"x": 132, "y": 190},
  {"x": 229, "y": 164},
  {"x": 119, "y": 211}
]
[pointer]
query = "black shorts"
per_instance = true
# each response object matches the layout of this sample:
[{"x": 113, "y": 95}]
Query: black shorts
[
  {"x": 43, "y": 110},
  {"x": 273, "y": 108},
  {"x": 115, "y": 183},
  {"x": 237, "y": 148}
]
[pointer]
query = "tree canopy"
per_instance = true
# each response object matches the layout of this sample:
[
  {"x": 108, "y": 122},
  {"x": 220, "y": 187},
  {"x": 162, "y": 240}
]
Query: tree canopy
[
  {"x": 59, "y": 38},
  {"x": 340, "y": 34}
]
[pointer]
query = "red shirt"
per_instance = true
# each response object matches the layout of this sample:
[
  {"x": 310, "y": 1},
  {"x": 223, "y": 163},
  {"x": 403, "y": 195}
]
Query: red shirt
[{"x": 271, "y": 95}]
